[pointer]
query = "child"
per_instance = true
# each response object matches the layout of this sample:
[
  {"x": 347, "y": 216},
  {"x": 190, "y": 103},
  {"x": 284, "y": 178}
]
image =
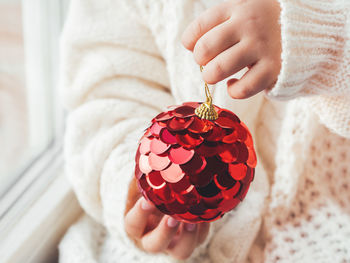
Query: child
[{"x": 123, "y": 63}]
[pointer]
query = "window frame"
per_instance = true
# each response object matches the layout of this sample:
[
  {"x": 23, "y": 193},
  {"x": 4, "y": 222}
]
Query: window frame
[
  {"x": 41, "y": 27},
  {"x": 43, "y": 176}
]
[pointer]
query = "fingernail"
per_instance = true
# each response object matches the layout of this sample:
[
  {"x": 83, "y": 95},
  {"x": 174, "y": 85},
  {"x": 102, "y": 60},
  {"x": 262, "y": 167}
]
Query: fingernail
[
  {"x": 231, "y": 81},
  {"x": 146, "y": 205},
  {"x": 172, "y": 222},
  {"x": 190, "y": 227}
]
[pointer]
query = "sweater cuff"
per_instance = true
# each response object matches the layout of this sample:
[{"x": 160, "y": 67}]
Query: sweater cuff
[{"x": 312, "y": 35}]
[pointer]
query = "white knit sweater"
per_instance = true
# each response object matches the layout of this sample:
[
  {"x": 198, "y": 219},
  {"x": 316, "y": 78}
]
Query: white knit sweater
[{"x": 123, "y": 63}]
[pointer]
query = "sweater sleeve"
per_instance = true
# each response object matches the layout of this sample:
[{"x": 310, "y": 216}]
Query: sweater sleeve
[
  {"x": 316, "y": 59},
  {"x": 113, "y": 81}
]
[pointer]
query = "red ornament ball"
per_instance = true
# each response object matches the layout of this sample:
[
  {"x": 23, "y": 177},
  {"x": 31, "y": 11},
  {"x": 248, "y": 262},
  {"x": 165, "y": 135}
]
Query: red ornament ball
[{"x": 195, "y": 169}]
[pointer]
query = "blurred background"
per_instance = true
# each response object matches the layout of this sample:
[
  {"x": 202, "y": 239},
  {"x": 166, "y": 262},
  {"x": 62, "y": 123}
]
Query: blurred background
[
  {"x": 13, "y": 103},
  {"x": 31, "y": 130},
  {"x": 29, "y": 99}
]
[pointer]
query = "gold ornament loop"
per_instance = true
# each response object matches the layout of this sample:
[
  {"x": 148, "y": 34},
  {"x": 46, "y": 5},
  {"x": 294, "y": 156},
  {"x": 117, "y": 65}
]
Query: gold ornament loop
[{"x": 206, "y": 110}]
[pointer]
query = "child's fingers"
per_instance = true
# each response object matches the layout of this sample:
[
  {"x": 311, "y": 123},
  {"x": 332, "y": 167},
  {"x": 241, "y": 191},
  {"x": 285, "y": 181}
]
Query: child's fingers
[
  {"x": 159, "y": 238},
  {"x": 186, "y": 242},
  {"x": 203, "y": 229},
  {"x": 259, "y": 77},
  {"x": 229, "y": 62},
  {"x": 206, "y": 21},
  {"x": 137, "y": 217},
  {"x": 215, "y": 41}
]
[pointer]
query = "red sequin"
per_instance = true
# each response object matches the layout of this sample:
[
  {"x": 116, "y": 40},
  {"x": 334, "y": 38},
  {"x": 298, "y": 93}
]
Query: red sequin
[
  {"x": 143, "y": 183},
  {"x": 176, "y": 207},
  {"x": 230, "y": 138},
  {"x": 167, "y": 137},
  {"x": 164, "y": 116},
  {"x": 189, "y": 197},
  {"x": 251, "y": 157},
  {"x": 182, "y": 185},
  {"x": 180, "y": 155},
  {"x": 210, "y": 215},
  {"x": 202, "y": 178},
  {"x": 156, "y": 128},
  {"x": 246, "y": 183},
  {"x": 242, "y": 152},
  {"x": 216, "y": 134},
  {"x": 237, "y": 171},
  {"x": 179, "y": 124},
  {"x": 187, "y": 217},
  {"x": 144, "y": 164},
  {"x": 173, "y": 173},
  {"x": 158, "y": 147},
  {"x": 198, "y": 209},
  {"x": 213, "y": 202},
  {"x": 164, "y": 210},
  {"x": 189, "y": 140},
  {"x": 165, "y": 194},
  {"x": 145, "y": 145},
  {"x": 232, "y": 192},
  {"x": 155, "y": 180},
  {"x": 208, "y": 149},
  {"x": 229, "y": 153},
  {"x": 228, "y": 114},
  {"x": 195, "y": 165},
  {"x": 200, "y": 126},
  {"x": 241, "y": 132},
  {"x": 150, "y": 196},
  {"x": 223, "y": 180},
  {"x": 184, "y": 111},
  {"x": 158, "y": 162},
  {"x": 225, "y": 122}
]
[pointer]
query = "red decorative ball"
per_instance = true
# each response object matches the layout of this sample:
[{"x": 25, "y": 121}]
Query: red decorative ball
[{"x": 195, "y": 169}]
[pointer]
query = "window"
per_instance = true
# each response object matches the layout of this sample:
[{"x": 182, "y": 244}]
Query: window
[
  {"x": 31, "y": 115},
  {"x": 12, "y": 92}
]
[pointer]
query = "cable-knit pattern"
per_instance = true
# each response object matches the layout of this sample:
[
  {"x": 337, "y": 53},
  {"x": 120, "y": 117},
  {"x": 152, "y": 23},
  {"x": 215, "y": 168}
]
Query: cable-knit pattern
[{"x": 122, "y": 63}]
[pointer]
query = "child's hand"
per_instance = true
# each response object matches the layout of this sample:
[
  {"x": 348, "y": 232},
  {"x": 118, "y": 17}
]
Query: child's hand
[
  {"x": 234, "y": 35},
  {"x": 155, "y": 232}
]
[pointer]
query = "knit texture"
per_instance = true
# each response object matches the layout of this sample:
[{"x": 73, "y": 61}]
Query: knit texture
[
  {"x": 316, "y": 58},
  {"x": 123, "y": 63}
]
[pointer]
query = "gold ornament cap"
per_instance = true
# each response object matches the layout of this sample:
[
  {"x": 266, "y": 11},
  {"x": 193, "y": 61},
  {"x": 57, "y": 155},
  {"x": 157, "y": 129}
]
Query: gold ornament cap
[{"x": 206, "y": 110}]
